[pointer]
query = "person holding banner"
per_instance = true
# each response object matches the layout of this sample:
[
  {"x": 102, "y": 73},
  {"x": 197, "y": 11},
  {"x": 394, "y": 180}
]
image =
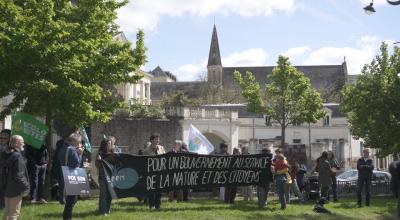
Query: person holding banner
[
  {"x": 70, "y": 155},
  {"x": 262, "y": 191},
  {"x": 155, "y": 148},
  {"x": 178, "y": 194},
  {"x": 105, "y": 150},
  {"x": 15, "y": 176}
]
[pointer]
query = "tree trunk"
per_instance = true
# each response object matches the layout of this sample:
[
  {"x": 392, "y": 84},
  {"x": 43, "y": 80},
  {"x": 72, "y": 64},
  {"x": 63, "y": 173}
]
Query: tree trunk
[
  {"x": 283, "y": 136},
  {"x": 50, "y": 151}
]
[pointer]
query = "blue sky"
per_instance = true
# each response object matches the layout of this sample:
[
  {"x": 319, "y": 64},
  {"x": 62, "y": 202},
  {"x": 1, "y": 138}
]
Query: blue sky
[{"x": 255, "y": 32}]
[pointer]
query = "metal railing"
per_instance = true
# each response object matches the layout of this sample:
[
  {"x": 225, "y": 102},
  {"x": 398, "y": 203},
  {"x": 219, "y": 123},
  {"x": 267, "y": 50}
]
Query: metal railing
[{"x": 349, "y": 188}]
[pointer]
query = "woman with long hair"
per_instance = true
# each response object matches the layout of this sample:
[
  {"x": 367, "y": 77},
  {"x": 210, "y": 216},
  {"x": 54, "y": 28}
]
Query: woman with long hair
[
  {"x": 335, "y": 167},
  {"x": 105, "y": 150}
]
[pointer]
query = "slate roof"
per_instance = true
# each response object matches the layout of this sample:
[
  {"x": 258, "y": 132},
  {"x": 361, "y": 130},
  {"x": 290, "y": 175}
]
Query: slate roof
[
  {"x": 214, "y": 57},
  {"x": 321, "y": 76},
  {"x": 191, "y": 89},
  {"x": 335, "y": 108},
  {"x": 158, "y": 72}
]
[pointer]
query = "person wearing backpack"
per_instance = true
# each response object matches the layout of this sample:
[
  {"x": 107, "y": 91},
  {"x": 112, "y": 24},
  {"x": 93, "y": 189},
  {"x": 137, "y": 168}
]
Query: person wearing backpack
[{"x": 15, "y": 180}]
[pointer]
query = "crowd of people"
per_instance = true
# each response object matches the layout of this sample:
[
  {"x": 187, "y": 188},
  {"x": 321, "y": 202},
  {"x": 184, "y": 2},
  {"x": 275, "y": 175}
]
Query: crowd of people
[{"x": 23, "y": 174}]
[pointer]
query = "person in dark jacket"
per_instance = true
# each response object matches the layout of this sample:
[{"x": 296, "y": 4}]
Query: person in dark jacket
[
  {"x": 394, "y": 170},
  {"x": 56, "y": 172},
  {"x": 300, "y": 179},
  {"x": 38, "y": 159},
  {"x": 16, "y": 176},
  {"x": 335, "y": 167},
  {"x": 4, "y": 139},
  {"x": 365, "y": 166},
  {"x": 262, "y": 191},
  {"x": 324, "y": 174},
  {"x": 70, "y": 155},
  {"x": 105, "y": 151}
]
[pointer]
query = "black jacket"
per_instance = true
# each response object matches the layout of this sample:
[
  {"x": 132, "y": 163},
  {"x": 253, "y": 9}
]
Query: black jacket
[
  {"x": 37, "y": 156},
  {"x": 17, "y": 181},
  {"x": 365, "y": 167}
]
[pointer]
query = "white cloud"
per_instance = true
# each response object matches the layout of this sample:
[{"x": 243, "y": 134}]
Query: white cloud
[
  {"x": 295, "y": 52},
  {"x": 190, "y": 72},
  {"x": 366, "y": 49},
  {"x": 250, "y": 57},
  {"x": 146, "y": 14}
]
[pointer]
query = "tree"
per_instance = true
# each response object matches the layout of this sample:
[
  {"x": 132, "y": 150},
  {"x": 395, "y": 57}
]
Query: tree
[
  {"x": 372, "y": 105},
  {"x": 217, "y": 94},
  {"x": 288, "y": 99},
  {"x": 179, "y": 99},
  {"x": 57, "y": 58}
]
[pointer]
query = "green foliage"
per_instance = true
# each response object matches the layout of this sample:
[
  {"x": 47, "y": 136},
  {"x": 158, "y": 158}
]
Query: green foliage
[
  {"x": 146, "y": 111},
  {"x": 372, "y": 105},
  {"x": 137, "y": 110},
  {"x": 179, "y": 99},
  {"x": 57, "y": 58},
  {"x": 288, "y": 99}
]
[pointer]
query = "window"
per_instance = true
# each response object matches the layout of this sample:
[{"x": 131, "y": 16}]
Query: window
[
  {"x": 296, "y": 141},
  {"x": 146, "y": 93}
]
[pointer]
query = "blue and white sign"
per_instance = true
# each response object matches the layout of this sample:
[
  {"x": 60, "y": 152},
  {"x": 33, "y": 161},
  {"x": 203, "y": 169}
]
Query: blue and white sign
[{"x": 198, "y": 143}]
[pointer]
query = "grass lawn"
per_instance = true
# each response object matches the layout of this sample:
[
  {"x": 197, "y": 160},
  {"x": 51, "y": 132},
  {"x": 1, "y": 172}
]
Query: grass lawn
[{"x": 382, "y": 208}]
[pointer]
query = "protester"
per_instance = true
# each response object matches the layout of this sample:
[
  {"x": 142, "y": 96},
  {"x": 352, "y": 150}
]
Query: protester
[
  {"x": 292, "y": 184},
  {"x": 223, "y": 150},
  {"x": 155, "y": 148},
  {"x": 37, "y": 159},
  {"x": 324, "y": 174},
  {"x": 365, "y": 166},
  {"x": 281, "y": 176},
  {"x": 247, "y": 191},
  {"x": 262, "y": 191},
  {"x": 15, "y": 177},
  {"x": 4, "y": 139},
  {"x": 178, "y": 194},
  {"x": 105, "y": 198},
  {"x": 335, "y": 167},
  {"x": 56, "y": 172},
  {"x": 141, "y": 152},
  {"x": 116, "y": 149},
  {"x": 230, "y": 191},
  {"x": 185, "y": 192},
  {"x": 301, "y": 179},
  {"x": 70, "y": 155},
  {"x": 394, "y": 169}
]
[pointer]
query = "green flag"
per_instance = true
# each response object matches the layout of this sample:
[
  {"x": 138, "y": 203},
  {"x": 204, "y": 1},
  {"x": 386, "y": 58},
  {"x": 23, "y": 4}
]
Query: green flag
[
  {"x": 85, "y": 138},
  {"x": 32, "y": 130}
]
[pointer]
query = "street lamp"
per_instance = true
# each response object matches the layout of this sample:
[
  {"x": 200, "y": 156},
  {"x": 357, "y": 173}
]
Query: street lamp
[{"x": 370, "y": 8}]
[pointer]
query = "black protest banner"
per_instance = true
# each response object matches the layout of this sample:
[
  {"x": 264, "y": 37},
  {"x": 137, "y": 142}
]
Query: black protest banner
[{"x": 131, "y": 175}]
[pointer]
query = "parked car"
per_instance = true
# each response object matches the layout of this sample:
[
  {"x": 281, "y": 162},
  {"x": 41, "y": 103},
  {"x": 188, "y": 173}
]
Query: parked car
[
  {"x": 347, "y": 181},
  {"x": 351, "y": 175}
]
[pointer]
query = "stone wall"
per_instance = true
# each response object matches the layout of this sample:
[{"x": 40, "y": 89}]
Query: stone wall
[{"x": 134, "y": 133}]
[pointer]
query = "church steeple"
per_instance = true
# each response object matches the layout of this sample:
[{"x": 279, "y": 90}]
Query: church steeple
[{"x": 214, "y": 58}]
